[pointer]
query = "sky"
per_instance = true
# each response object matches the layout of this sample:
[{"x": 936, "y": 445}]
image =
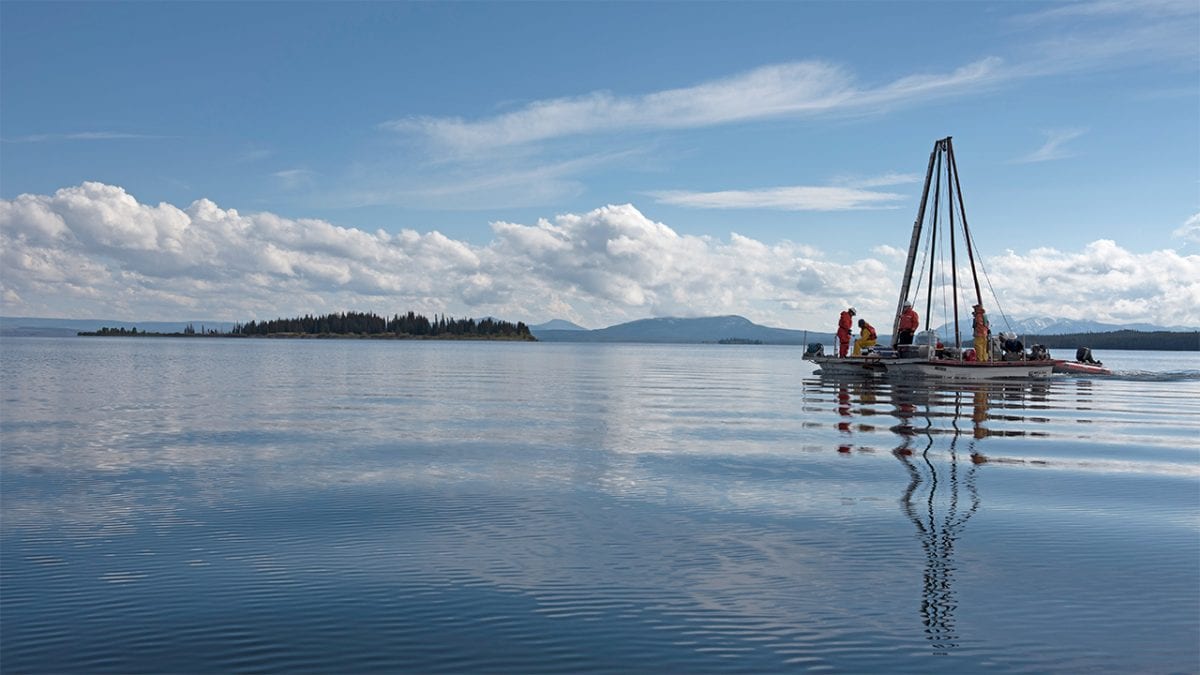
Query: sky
[{"x": 594, "y": 162}]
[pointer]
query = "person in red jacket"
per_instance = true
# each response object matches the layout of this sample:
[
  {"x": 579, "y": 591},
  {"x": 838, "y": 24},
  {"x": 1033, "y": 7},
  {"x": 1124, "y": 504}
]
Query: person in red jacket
[
  {"x": 909, "y": 322},
  {"x": 845, "y": 321},
  {"x": 866, "y": 338}
]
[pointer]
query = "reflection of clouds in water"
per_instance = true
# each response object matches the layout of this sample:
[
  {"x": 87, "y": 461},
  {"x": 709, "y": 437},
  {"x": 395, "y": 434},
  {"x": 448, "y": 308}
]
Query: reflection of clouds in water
[
  {"x": 193, "y": 420},
  {"x": 690, "y": 490}
]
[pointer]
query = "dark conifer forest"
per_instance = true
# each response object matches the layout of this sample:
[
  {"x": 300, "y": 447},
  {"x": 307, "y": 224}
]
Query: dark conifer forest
[
  {"x": 1121, "y": 339},
  {"x": 406, "y": 325},
  {"x": 356, "y": 324}
]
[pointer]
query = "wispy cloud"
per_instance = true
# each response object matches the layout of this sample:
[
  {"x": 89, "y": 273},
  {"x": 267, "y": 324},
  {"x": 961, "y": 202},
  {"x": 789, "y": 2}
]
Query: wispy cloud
[
  {"x": 1104, "y": 9},
  {"x": 794, "y": 198},
  {"x": 847, "y": 194},
  {"x": 1053, "y": 148},
  {"x": 82, "y": 136},
  {"x": 1078, "y": 36},
  {"x": 294, "y": 179},
  {"x": 1100, "y": 35},
  {"x": 500, "y": 182},
  {"x": 1189, "y": 231},
  {"x": 779, "y": 90},
  {"x": 254, "y": 155},
  {"x": 884, "y": 180}
]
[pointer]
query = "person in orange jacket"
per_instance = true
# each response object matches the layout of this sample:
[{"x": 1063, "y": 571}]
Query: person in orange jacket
[
  {"x": 982, "y": 332},
  {"x": 866, "y": 337},
  {"x": 909, "y": 322},
  {"x": 845, "y": 321}
]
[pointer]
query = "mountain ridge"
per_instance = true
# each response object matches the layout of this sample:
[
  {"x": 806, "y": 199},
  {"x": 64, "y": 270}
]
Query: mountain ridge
[
  {"x": 734, "y": 327},
  {"x": 687, "y": 330},
  {"x": 557, "y": 324}
]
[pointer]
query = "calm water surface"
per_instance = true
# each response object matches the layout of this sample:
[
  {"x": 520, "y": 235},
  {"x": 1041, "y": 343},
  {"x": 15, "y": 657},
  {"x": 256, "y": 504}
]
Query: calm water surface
[{"x": 336, "y": 506}]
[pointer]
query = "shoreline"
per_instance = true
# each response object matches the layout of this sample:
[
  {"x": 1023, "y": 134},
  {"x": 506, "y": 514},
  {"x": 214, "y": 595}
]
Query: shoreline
[{"x": 315, "y": 336}]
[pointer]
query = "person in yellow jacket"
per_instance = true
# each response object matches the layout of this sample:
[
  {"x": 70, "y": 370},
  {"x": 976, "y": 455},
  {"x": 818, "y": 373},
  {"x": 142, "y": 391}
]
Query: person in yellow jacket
[
  {"x": 982, "y": 333},
  {"x": 866, "y": 337}
]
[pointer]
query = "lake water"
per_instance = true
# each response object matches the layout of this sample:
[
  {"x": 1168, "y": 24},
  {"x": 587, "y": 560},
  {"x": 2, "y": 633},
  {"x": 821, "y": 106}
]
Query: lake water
[{"x": 213, "y": 505}]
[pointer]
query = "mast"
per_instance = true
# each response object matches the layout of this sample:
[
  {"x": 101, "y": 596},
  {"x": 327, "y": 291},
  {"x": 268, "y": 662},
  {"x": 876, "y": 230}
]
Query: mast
[
  {"x": 962, "y": 209},
  {"x": 943, "y": 154},
  {"x": 950, "y": 176},
  {"x": 913, "y": 244},
  {"x": 933, "y": 239}
]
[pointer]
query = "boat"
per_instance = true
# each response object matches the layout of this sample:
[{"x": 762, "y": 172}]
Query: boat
[
  {"x": 1077, "y": 368},
  {"x": 928, "y": 357},
  {"x": 871, "y": 363},
  {"x": 1083, "y": 364}
]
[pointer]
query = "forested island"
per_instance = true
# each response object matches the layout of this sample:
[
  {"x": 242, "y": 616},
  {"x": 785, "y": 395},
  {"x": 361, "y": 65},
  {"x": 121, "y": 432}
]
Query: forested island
[{"x": 410, "y": 326}]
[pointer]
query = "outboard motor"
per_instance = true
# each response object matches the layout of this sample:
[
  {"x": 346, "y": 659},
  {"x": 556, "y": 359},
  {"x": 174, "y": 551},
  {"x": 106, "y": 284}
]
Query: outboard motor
[
  {"x": 815, "y": 349},
  {"x": 1084, "y": 355}
]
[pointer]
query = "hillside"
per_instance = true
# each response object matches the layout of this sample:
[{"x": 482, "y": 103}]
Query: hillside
[
  {"x": 557, "y": 324},
  {"x": 685, "y": 330}
]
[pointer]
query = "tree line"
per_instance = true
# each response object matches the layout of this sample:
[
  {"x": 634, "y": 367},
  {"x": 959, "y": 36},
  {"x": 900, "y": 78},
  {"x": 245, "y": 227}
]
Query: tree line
[
  {"x": 399, "y": 325},
  {"x": 1121, "y": 339},
  {"x": 114, "y": 331},
  {"x": 356, "y": 324}
]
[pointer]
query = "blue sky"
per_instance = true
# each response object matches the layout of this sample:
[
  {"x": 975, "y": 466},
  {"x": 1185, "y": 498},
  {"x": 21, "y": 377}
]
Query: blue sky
[{"x": 598, "y": 162}]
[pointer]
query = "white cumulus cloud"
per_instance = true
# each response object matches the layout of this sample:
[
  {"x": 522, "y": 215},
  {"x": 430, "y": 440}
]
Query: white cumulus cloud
[{"x": 95, "y": 251}]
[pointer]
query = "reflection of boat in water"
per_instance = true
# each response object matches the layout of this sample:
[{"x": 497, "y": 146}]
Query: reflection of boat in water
[
  {"x": 999, "y": 408},
  {"x": 928, "y": 357},
  {"x": 941, "y": 494},
  {"x": 940, "y": 431},
  {"x": 932, "y": 501}
]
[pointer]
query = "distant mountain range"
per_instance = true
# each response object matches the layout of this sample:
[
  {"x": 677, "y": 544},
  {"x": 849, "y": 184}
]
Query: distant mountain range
[
  {"x": 733, "y": 327},
  {"x": 677, "y": 330},
  {"x": 1049, "y": 326}
]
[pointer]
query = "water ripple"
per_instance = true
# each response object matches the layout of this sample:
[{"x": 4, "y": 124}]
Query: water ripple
[{"x": 563, "y": 508}]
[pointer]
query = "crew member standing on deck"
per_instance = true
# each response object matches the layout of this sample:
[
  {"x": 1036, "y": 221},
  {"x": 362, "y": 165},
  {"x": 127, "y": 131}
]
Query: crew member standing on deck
[
  {"x": 866, "y": 337},
  {"x": 982, "y": 333},
  {"x": 909, "y": 322},
  {"x": 843, "y": 331}
]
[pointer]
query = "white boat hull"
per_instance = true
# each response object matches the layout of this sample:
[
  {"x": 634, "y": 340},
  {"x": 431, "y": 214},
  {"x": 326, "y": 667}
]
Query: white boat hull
[
  {"x": 972, "y": 370},
  {"x": 856, "y": 365}
]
